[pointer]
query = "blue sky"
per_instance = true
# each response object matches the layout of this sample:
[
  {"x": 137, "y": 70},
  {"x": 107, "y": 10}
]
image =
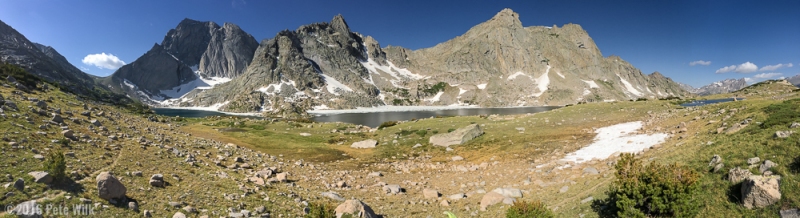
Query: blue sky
[{"x": 734, "y": 39}]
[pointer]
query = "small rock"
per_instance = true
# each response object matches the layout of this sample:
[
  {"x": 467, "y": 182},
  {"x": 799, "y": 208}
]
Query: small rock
[
  {"x": 783, "y": 134},
  {"x": 590, "y": 171},
  {"x": 715, "y": 160},
  {"x": 444, "y": 203},
  {"x": 586, "y": 200},
  {"x": 456, "y": 196},
  {"x": 157, "y": 180},
  {"x": 737, "y": 175},
  {"x": 179, "y": 215},
  {"x": 753, "y": 161},
  {"x": 333, "y": 195},
  {"x": 19, "y": 184},
  {"x": 28, "y": 209},
  {"x": 430, "y": 193},
  {"x": 457, "y": 158},
  {"x": 369, "y": 143},
  {"x": 766, "y": 165},
  {"x": 563, "y": 189}
]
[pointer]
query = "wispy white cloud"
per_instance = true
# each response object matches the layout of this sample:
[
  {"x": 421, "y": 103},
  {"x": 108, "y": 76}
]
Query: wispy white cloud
[
  {"x": 775, "y": 67},
  {"x": 746, "y": 67},
  {"x": 767, "y": 75},
  {"x": 238, "y": 3},
  {"x": 103, "y": 61},
  {"x": 748, "y": 79},
  {"x": 700, "y": 62}
]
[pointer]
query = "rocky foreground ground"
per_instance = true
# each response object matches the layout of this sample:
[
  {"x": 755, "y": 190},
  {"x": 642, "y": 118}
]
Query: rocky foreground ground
[{"x": 121, "y": 164}]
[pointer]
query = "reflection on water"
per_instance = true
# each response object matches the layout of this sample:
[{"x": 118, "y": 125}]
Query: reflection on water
[
  {"x": 712, "y": 101},
  {"x": 373, "y": 119}
]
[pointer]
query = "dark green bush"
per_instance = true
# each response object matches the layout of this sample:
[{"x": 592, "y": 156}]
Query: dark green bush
[
  {"x": 320, "y": 210},
  {"x": 404, "y": 132},
  {"x": 422, "y": 132},
  {"x": 435, "y": 131},
  {"x": 257, "y": 127},
  {"x": 387, "y": 124},
  {"x": 654, "y": 190},
  {"x": 56, "y": 166},
  {"x": 523, "y": 209},
  {"x": 451, "y": 130}
]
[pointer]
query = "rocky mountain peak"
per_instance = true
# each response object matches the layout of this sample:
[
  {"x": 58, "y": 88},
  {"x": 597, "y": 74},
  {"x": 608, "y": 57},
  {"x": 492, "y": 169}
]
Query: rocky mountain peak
[
  {"x": 188, "y": 40},
  {"x": 507, "y": 18},
  {"x": 339, "y": 24}
]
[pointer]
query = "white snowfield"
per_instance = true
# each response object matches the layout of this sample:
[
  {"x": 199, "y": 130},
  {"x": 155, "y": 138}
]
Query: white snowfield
[
  {"x": 630, "y": 87},
  {"x": 515, "y": 75},
  {"x": 399, "y": 74},
  {"x": 334, "y": 85},
  {"x": 435, "y": 98},
  {"x": 199, "y": 83},
  {"x": 616, "y": 138},
  {"x": 591, "y": 84},
  {"x": 542, "y": 82}
]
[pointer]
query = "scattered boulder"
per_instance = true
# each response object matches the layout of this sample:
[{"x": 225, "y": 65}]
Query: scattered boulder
[
  {"x": 790, "y": 213},
  {"x": 41, "y": 104},
  {"x": 457, "y": 137},
  {"x": 19, "y": 184},
  {"x": 179, "y": 215},
  {"x": 96, "y": 122},
  {"x": 783, "y": 134},
  {"x": 430, "y": 193},
  {"x": 456, "y": 196},
  {"x": 355, "y": 208},
  {"x": 29, "y": 209},
  {"x": 457, "y": 158},
  {"x": 761, "y": 191},
  {"x": 333, "y": 195},
  {"x": 444, "y": 203},
  {"x": 392, "y": 189},
  {"x": 490, "y": 199},
  {"x": 157, "y": 180},
  {"x": 508, "y": 192},
  {"x": 41, "y": 177},
  {"x": 737, "y": 175},
  {"x": 716, "y": 159},
  {"x": 794, "y": 125},
  {"x": 109, "y": 187},
  {"x": 718, "y": 167},
  {"x": 590, "y": 171},
  {"x": 68, "y": 134},
  {"x": 766, "y": 165},
  {"x": 369, "y": 143},
  {"x": 374, "y": 174},
  {"x": 57, "y": 118},
  {"x": 305, "y": 134},
  {"x": 753, "y": 161}
]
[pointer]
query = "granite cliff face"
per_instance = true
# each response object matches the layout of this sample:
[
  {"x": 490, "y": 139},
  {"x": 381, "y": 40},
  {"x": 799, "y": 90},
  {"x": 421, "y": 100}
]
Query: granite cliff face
[
  {"x": 194, "y": 55},
  {"x": 43, "y": 61},
  {"x": 496, "y": 63}
]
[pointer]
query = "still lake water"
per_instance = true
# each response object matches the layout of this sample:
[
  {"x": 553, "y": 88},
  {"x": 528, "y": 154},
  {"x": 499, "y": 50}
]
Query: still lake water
[
  {"x": 374, "y": 119},
  {"x": 712, "y": 101}
]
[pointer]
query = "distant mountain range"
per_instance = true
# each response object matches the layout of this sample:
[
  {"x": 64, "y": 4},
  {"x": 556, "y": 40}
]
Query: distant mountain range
[
  {"x": 719, "y": 87},
  {"x": 326, "y": 65}
]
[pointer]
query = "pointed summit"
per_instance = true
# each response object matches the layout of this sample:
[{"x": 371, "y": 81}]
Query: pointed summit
[
  {"x": 339, "y": 24},
  {"x": 506, "y": 17}
]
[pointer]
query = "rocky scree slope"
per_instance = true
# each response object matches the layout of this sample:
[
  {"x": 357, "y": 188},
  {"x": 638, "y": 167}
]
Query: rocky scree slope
[
  {"x": 496, "y": 63},
  {"x": 194, "y": 55}
]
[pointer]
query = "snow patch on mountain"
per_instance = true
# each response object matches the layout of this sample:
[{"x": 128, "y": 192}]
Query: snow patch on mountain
[
  {"x": 334, "y": 86},
  {"x": 591, "y": 84},
  {"x": 542, "y": 82},
  {"x": 630, "y": 87}
]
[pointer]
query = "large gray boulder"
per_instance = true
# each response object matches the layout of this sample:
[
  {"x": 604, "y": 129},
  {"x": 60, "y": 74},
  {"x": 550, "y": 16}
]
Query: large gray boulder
[
  {"x": 761, "y": 191},
  {"x": 356, "y": 209},
  {"x": 457, "y": 137},
  {"x": 109, "y": 187},
  {"x": 369, "y": 143},
  {"x": 41, "y": 177}
]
